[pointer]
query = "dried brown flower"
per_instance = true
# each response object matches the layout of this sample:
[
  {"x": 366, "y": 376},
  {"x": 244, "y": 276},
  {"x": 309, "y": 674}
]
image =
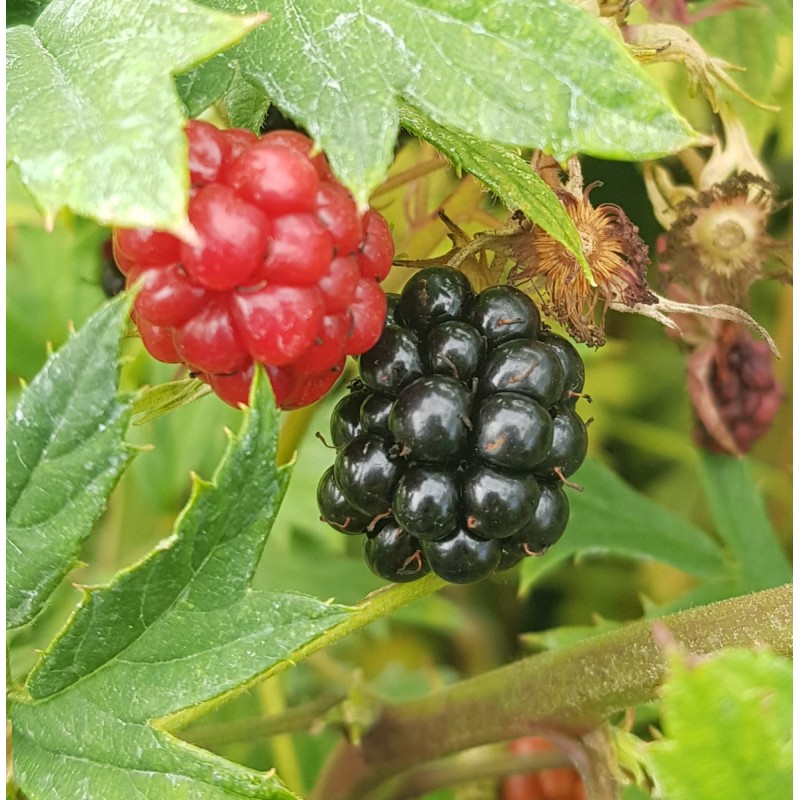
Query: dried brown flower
[{"x": 616, "y": 254}]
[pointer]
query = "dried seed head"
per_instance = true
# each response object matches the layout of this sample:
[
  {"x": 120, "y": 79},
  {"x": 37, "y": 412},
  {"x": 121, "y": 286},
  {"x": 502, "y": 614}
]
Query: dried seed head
[
  {"x": 719, "y": 243},
  {"x": 616, "y": 254}
]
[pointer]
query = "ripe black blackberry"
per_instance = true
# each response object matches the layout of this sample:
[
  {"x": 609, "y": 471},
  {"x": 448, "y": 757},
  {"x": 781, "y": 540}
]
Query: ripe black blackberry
[{"x": 454, "y": 445}]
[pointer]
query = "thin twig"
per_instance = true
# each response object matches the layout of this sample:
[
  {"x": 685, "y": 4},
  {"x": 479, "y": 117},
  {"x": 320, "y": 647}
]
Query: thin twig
[
  {"x": 299, "y": 718},
  {"x": 407, "y": 175}
]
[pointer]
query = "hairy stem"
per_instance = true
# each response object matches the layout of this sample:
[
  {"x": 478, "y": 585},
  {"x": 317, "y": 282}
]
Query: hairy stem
[{"x": 573, "y": 689}]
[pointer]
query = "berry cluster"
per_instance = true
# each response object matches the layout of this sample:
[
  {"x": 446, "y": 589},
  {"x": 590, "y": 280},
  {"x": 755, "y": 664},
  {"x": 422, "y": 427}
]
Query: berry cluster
[
  {"x": 454, "y": 445},
  {"x": 285, "y": 271}
]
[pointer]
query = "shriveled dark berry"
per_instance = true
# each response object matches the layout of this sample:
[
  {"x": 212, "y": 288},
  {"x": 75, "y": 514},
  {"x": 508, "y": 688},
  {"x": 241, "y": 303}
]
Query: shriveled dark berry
[
  {"x": 375, "y": 412},
  {"x": 432, "y": 296},
  {"x": 462, "y": 557},
  {"x": 367, "y": 473},
  {"x": 346, "y": 417},
  {"x": 502, "y": 313},
  {"x": 737, "y": 396},
  {"x": 431, "y": 420},
  {"x": 426, "y": 502},
  {"x": 512, "y": 431},
  {"x": 496, "y": 503},
  {"x": 571, "y": 363},
  {"x": 524, "y": 366},
  {"x": 545, "y": 527},
  {"x": 453, "y": 348},
  {"x": 335, "y": 508},
  {"x": 393, "y": 554},
  {"x": 568, "y": 448},
  {"x": 393, "y": 362}
]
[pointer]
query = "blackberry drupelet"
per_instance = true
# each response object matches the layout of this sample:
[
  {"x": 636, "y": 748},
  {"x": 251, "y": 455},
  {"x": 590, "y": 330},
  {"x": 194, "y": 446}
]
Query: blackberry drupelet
[{"x": 454, "y": 446}]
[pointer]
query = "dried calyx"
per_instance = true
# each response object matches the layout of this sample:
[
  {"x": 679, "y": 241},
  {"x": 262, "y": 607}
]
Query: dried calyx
[
  {"x": 717, "y": 239},
  {"x": 719, "y": 242},
  {"x": 528, "y": 257},
  {"x": 616, "y": 254}
]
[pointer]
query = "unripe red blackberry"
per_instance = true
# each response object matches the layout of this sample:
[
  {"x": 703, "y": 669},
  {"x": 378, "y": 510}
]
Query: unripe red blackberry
[
  {"x": 459, "y": 435},
  {"x": 284, "y": 271}
]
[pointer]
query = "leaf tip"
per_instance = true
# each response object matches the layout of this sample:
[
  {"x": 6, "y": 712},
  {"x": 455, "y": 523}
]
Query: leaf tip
[
  {"x": 254, "y": 20},
  {"x": 185, "y": 231},
  {"x": 135, "y": 449},
  {"x": 362, "y": 202}
]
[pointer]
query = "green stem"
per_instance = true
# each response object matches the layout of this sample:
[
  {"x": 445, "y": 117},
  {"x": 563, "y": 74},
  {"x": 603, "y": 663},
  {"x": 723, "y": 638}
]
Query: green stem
[
  {"x": 294, "y": 720},
  {"x": 419, "y": 170},
  {"x": 574, "y": 689},
  {"x": 282, "y": 747}
]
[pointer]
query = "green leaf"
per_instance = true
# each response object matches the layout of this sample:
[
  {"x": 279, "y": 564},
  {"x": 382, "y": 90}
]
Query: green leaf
[
  {"x": 610, "y": 517},
  {"x": 741, "y": 521},
  {"x": 65, "y": 451},
  {"x": 505, "y": 172},
  {"x": 73, "y": 749},
  {"x": 243, "y": 104},
  {"x": 20, "y": 206},
  {"x": 538, "y": 73},
  {"x": 24, "y": 12},
  {"x": 200, "y": 87},
  {"x": 52, "y": 281},
  {"x": 93, "y": 119},
  {"x": 156, "y": 401},
  {"x": 728, "y": 729},
  {"x": 178, "y": 629}
]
